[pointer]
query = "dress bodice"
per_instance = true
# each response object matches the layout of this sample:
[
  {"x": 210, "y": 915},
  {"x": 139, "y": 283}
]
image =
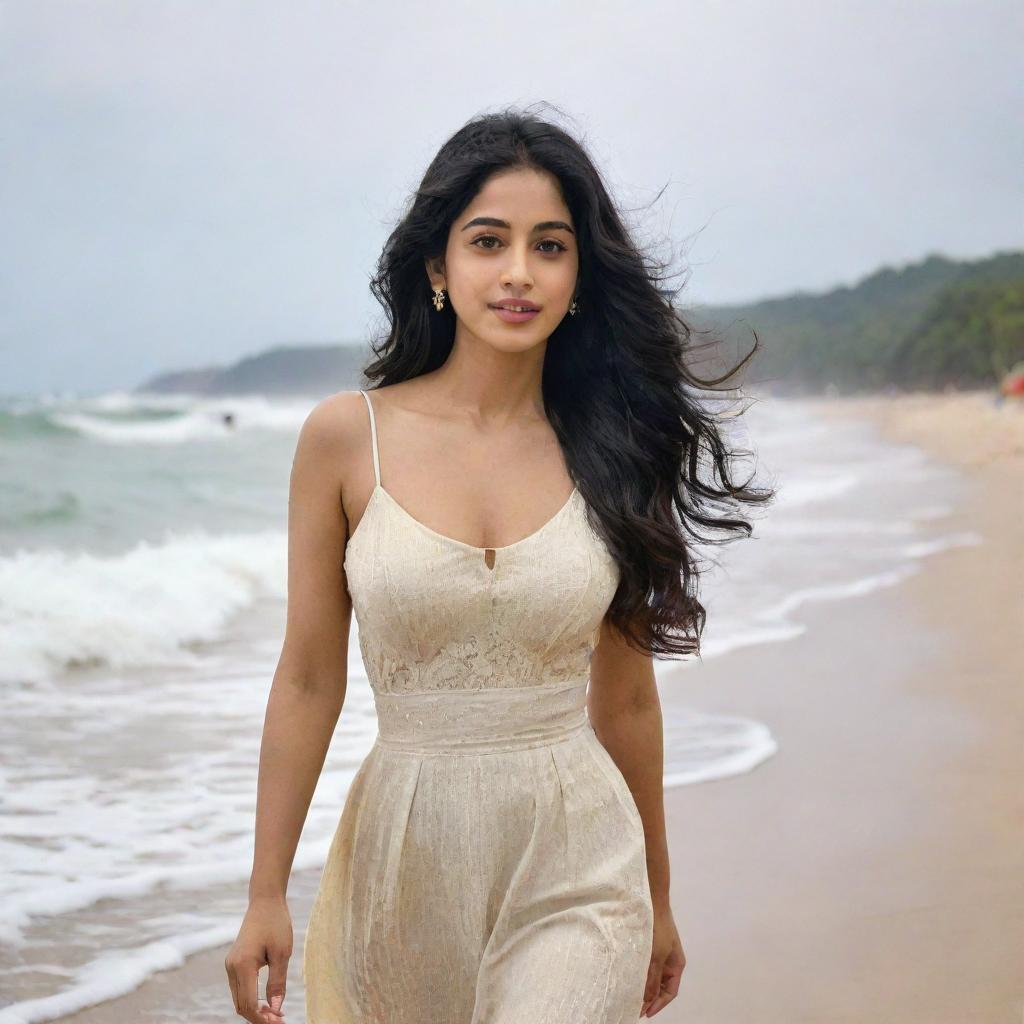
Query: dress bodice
[{"x": 432, "y": 615}]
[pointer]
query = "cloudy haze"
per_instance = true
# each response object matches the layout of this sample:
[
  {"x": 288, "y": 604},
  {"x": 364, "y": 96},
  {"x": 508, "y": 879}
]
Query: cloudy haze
[{"x": 185, "y": 183}]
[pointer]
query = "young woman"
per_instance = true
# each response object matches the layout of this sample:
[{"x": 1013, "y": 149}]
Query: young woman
[{"x": 508, "y": 512}]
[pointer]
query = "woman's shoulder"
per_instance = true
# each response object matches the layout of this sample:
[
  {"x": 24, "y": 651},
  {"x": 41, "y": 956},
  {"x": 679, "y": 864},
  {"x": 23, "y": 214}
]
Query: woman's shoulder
[
  {"x": 335, "y": 430},
  {"x": 333, "y": 418},
  {"x": 343, "y": 417}
]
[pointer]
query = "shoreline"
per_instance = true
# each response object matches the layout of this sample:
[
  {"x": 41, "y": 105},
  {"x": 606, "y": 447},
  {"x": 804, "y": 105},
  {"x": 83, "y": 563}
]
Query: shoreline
[{"x": 872, "y": 869}]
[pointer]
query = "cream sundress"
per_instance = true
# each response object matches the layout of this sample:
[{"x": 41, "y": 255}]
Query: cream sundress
[{"x": 489, "y": 863}]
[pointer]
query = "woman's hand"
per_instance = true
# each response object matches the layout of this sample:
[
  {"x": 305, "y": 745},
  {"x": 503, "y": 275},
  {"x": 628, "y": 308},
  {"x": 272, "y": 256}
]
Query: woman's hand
[
  {"x": 265, "y": 939},
  {"x": 667, "y": 963}
]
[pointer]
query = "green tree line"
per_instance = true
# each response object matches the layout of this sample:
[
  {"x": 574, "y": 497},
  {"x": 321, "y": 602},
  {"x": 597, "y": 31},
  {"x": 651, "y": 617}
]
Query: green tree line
[{"x": 930, "y": 325}]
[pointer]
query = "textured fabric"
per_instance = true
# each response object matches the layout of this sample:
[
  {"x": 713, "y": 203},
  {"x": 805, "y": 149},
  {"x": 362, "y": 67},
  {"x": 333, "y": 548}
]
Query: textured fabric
[{"x": 489, "y": 863}]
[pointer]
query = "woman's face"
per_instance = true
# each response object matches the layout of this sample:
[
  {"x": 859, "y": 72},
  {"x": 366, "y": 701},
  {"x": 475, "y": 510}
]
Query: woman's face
[{"x": 515, "y": 241}]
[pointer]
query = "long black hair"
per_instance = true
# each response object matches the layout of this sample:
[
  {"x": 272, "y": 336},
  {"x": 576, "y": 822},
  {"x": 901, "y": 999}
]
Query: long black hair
[{"x": 649, "y": 457}]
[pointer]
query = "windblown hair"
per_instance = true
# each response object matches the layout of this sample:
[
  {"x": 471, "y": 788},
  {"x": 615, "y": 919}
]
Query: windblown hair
[{"x": 649, "y": 457}]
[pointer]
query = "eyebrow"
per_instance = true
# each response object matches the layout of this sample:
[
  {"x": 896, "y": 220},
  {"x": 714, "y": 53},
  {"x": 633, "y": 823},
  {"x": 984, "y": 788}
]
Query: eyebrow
[{"x": 494, "y": 222}]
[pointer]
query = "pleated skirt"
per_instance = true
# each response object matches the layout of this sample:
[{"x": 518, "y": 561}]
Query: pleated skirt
[{"x": 498, "y": 883}]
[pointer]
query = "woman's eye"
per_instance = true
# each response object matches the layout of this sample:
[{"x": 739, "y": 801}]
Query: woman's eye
[{"x": 493, "y": 238}]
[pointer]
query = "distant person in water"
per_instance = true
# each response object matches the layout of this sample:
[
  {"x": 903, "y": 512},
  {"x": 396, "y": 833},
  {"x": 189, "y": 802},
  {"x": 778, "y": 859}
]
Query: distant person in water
[{"x": 229, "y": 419}]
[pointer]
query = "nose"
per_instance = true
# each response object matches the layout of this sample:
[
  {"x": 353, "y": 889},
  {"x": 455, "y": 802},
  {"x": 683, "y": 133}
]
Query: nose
[{"x": 516, "y": 271}]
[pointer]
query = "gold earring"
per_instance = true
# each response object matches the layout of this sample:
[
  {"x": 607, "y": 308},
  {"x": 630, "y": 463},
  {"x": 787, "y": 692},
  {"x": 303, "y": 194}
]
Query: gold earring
[
  {"x": 573, "y": 308},
  {"x": 439, "y": 299}
]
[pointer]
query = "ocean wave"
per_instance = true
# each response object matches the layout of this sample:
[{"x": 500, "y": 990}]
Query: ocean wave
[
  {"x": 142, "y": 418},
  {"x": 60, "y": 609}
]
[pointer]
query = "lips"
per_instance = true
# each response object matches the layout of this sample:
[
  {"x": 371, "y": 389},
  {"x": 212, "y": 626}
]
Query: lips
[
  {"x": 511, "y": 304},
  {"x": 511, "y": 316}
]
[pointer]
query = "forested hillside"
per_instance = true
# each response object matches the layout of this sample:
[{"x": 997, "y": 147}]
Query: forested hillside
[{"x": 928, "y": 325}]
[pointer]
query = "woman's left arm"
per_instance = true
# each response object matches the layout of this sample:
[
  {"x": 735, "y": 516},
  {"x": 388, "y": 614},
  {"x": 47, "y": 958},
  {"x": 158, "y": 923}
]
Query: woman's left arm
[{"x": 625, "y": 711}]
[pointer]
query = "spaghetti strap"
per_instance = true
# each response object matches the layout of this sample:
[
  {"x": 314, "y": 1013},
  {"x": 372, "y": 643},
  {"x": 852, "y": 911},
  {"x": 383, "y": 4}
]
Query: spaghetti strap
[{"x": 373, "y": 438}]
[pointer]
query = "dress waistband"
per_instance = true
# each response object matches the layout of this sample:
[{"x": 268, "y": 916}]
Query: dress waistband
[{"x": 482, "y": 720}]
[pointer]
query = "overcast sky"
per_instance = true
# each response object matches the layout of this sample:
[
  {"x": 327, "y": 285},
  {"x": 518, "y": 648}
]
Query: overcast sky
[{"x": 185, "y": 183}]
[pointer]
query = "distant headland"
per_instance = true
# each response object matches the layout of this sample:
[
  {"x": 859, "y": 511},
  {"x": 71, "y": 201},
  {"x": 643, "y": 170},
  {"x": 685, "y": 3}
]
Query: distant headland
[
  {"x": 283, "y": 370},
  {"x": 931, "y": 325}
]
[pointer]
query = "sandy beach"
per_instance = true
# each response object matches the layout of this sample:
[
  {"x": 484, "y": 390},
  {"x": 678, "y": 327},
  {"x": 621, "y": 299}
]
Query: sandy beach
[
  {"x": 873, "y": 870},
  {"x": 874, "y": 873}
]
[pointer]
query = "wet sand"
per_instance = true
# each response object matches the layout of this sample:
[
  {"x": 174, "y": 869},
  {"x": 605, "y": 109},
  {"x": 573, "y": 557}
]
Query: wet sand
[{"x": 874, "y": 869}]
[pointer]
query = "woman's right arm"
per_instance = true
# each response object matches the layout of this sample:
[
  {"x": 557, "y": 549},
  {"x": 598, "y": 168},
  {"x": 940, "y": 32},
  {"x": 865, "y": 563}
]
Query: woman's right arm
[{"x": 306, "y": 697}]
